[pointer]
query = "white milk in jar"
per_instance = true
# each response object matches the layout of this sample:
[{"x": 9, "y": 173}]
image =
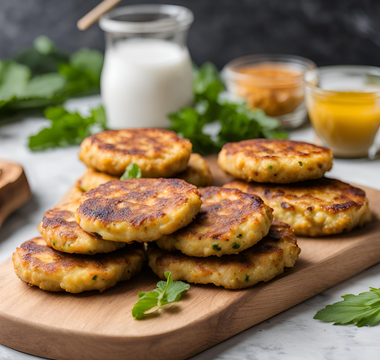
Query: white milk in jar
[
  {"x": 143, "y": 80},
  {"x": 147, "y": 70}
]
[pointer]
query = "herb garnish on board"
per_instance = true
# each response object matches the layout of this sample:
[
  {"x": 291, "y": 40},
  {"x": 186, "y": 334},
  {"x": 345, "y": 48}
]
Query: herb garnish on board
[
  {"x": 167, "y": 292},
  {"x": 360, "y": 310}
]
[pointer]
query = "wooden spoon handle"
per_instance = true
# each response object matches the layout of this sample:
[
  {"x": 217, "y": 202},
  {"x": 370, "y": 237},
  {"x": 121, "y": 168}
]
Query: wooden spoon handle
[{"x": 94, "y": 15}]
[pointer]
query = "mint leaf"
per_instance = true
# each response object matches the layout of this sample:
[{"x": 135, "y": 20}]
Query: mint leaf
[
  {"x": 66, "y": 128},
  {"x": 175, "y": 290},
  {"x": 166, "y": 292},
  {"x": 13, "y": 79},
  {"x": 43, "y": 76},
  {"x": 88, "y": 60},
  {"x": 44, "y": 86},
  {"x": 146, "y": 302},
  {"x": 132, "y": 171},
  {"x": 360, "y": 310},
  {"x": 83, "y": 72}
]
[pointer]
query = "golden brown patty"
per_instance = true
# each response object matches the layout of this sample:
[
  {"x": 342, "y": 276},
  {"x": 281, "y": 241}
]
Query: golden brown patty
[
  {"x": 197, "y": 172},
  {"x": 313, "y": 208},
  {"x": 91, "y": 179},
  {"x": 275, "y": 161},
  {"x": 37, "y": 264},
  {"x": 229, "y": 222},
  {"x": 262, "y": 262},
  {"x": 138, "y": 209},
  {"x": 158, "y": 153},
  {"x": 62, "y": 232}
]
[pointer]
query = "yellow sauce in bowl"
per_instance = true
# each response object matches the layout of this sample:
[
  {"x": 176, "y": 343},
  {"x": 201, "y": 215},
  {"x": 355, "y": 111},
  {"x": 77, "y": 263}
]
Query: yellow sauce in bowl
[{"x": 347, "y": 121}]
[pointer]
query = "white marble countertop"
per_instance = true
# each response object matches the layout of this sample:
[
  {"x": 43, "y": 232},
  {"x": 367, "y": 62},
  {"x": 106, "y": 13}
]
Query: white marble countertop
[{"x": 291, "y": 335}]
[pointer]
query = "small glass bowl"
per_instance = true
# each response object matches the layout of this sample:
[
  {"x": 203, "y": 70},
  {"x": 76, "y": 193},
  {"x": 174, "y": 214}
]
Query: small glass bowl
[
  {"x": 273, "y": 83},
  {"x": 343, "y": 103}
]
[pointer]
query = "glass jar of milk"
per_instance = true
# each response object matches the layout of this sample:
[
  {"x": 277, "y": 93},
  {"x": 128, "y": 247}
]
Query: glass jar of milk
[{"x": 147, "y": 68}]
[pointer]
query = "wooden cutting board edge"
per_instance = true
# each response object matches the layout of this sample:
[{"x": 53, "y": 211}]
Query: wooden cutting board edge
[
  {"x": 41, "y": 340},
  {"x": 216, "y": 326}
]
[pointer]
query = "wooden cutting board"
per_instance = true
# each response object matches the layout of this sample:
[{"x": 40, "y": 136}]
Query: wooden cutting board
[{"x": 100, "y": 326}]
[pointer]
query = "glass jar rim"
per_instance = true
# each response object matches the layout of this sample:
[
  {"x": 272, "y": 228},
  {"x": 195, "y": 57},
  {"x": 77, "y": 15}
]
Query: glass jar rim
[
  {"x": 324, "y": 70},
  {"x": 178, "y": 18},
  {"x": 230, "y": 69}
]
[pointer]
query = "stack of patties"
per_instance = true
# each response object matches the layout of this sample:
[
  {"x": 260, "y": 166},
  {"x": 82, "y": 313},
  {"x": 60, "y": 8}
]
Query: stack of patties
[
  {"x": 67, "y": 258},
  {"x": 289, "y": 177},
  {"x": 87, "y": 243},
  {"x": 157, "y": 152},
  {"x": 231, "y": 243}
]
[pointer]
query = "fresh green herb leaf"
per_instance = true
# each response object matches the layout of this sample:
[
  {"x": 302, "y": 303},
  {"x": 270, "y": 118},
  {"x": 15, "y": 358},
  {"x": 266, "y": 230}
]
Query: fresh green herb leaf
[
  {"x": 216, "y": 247},
  {"x": 42, "y": 58},
  {"x": 82, "y": 72},
  {"x": 131, "y": 172},
  {"x": 44, "y": 45},
  {"x": 360, "y": 310},
  {"x": 236, "y": 245},
  {"x": 95, "y": 277},
  {"x": 167, "y": 292},
  {"x": 270, "y": 167},
  {"x": 300, "y": 162},
  {"x": 233, "y": 121},
  {"x": 13, "y": 79},
  {"x": 66, "y": 128},
  {"x": 88, "y": 60},
  {"x": 246, "y": 277},
  {"x": 44, "y": 76}
]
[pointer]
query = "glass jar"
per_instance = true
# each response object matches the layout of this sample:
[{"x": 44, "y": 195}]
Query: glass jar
[
  {"x": 344, "y": 107},
  {"x": 147, "y": 70},
  {"x": 273, "y": 83}
]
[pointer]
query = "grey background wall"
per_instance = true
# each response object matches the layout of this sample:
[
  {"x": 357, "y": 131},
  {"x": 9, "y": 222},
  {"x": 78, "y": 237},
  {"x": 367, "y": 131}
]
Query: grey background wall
[{"x": 327, "y": 31}]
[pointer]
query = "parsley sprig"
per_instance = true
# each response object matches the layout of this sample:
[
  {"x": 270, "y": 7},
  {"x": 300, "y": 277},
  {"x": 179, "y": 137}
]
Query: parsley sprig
[
  {"x": 360, "y": 310},
  {"x": 167, "y": 292},
  {"x": 67, "y": 128},
  {"x": 132, "y": 171},
  {"x": 43, "y": 76},
  {"x": 233, "y": 119}
]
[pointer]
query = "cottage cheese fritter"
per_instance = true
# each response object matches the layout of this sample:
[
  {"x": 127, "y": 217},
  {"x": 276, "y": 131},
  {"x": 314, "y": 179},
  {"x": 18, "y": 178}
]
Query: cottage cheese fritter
[
  {"x": 62, "y": 232},
  {"x": 275, "y": 161},
  {"x": 91, "y": 179},
  {"x": 313, "y": 208},
  {"x": 138, "y": 209},
  {"x": 229, "y": 222},
  {"x": 39, "y": 265},
  {"x": 158, "y": 152},
  {"x": 262, "y": 262},
  {"x": 196, "y": 173}
]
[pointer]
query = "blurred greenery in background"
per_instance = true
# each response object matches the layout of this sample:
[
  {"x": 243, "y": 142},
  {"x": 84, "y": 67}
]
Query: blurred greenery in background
[{"x": 42, "y": 76}]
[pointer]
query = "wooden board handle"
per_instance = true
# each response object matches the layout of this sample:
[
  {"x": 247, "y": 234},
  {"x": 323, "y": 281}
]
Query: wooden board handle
[{"x": 14, "y": 188}]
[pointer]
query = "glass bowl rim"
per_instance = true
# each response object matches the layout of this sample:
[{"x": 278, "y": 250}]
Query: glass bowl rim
[
  {"x": 181, "y": 19},
  {"x": 300, "y": 61},
  {"x": 330, "y": 68}
]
